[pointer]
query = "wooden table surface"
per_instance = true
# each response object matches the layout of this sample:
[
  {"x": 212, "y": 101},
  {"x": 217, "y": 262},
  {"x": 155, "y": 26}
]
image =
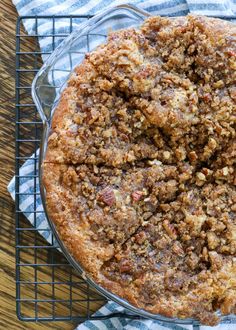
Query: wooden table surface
[{"x": 8, "y": 319}]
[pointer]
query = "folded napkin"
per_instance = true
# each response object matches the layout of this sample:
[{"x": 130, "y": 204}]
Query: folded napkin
[{"x": 26, "y": 183}]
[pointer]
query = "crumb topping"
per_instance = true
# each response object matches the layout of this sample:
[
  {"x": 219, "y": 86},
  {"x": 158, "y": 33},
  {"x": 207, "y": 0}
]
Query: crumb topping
[{"x": 140, "y": 167}]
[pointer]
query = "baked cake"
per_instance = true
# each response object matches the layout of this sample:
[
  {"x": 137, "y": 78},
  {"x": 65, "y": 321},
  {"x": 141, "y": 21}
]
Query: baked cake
[{"x": 140, "y": 170}]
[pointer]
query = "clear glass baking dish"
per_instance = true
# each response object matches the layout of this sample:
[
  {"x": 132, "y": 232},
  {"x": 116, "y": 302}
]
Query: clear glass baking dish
[{"x": 46, "y": 90}]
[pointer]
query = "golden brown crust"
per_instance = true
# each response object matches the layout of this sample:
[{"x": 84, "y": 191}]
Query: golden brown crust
[
  {"x": 72, "y": 225},
  {"x": 140, "y": 166}
]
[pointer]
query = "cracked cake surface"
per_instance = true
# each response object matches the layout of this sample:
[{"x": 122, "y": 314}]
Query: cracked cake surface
[{"x": 140, "y": 170}]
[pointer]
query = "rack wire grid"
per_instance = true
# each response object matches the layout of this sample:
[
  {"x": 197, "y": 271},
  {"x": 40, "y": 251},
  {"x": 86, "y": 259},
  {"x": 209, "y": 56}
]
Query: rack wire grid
[{"x": 66, "y": 296}]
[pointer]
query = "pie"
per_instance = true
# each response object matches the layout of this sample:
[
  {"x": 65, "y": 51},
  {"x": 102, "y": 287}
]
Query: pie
[{"x": 140, "y": 170}]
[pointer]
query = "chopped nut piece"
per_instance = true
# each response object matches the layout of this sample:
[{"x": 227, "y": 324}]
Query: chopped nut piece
[
  {"x": 192, "y": 260},
  {"x": 125, "y": 266},
  {"x": 218, "y": 84},
  {"x": 107, "y": 196},
  {"x": 140, "y": 237},
  {"x": 137, "y": 195},
  {"x": 207, "y": 172},
  {"x": 215, "y": 260},
  {"x": 166, "y": 154},
  {"x": 225, "y": 171},
  {"x": 180, "y": 153},
  {"x": 177, "y": 248},
  {"x": 204, "y": 254},
  {"x": 201, "y": 176},
  {"x": 213, "y": 240},
  {"x": 193, "y": 156},
  {"x": 170, "y": 229},
  {"x": 154, "y": 162},
  {"x": 195, "y": 221}
]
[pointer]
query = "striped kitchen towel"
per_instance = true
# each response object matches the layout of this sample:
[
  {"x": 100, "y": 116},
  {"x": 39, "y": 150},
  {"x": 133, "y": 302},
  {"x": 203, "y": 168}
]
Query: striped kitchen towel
[
  {"x": 127, "y": 324},
  {"x": 26, "y": 184},
  {"x": 85, "y": 7}
]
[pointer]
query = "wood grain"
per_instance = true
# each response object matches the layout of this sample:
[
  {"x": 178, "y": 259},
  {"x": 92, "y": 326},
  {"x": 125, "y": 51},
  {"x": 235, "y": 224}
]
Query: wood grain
[{"x": 8, "y": 318}]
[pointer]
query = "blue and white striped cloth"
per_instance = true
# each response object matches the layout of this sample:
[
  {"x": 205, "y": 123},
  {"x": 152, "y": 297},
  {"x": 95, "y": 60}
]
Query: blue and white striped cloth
[
  {"x": 85, "y": 7},
  {"x": 26, "y": 184}
]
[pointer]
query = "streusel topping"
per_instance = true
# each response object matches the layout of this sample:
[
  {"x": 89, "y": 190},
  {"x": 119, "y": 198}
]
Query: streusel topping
[{"x": 140, "y": 168}]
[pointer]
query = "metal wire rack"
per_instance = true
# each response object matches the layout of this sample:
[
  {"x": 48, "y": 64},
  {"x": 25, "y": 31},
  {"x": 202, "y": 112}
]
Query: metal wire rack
[{"x": 66, "y": 296}]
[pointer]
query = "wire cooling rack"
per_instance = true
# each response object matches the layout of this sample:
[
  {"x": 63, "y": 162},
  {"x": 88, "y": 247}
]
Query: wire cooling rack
[{"x": 66, "y": 296}]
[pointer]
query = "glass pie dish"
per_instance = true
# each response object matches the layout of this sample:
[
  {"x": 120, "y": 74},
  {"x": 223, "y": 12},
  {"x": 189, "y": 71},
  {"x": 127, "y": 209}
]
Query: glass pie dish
[{"x": 46, "y": 90}]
